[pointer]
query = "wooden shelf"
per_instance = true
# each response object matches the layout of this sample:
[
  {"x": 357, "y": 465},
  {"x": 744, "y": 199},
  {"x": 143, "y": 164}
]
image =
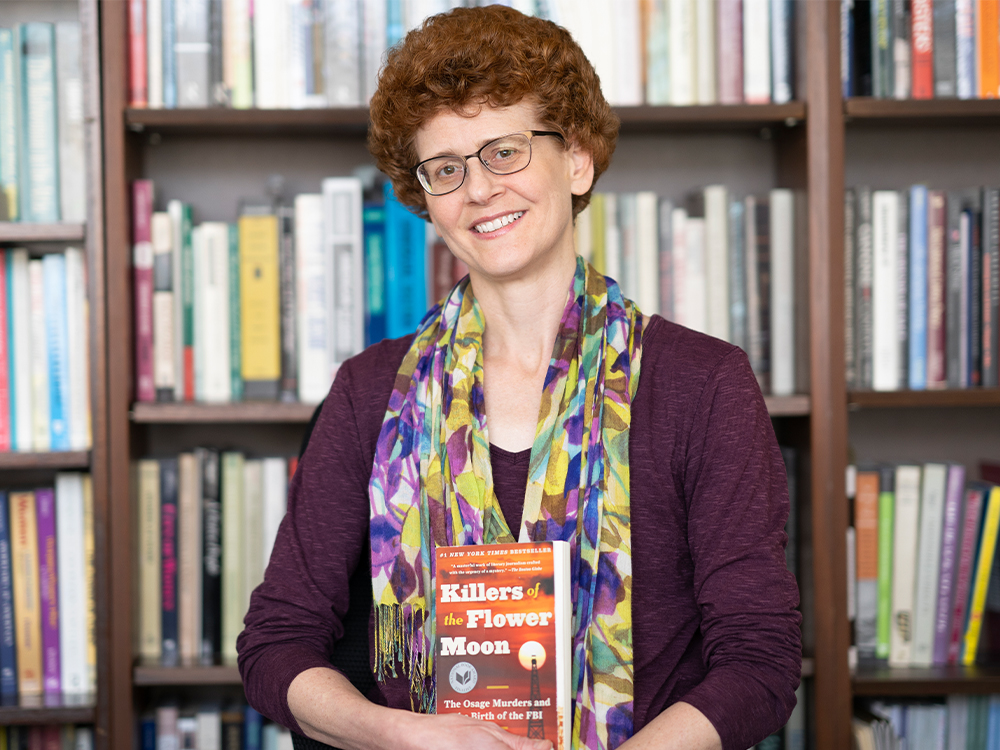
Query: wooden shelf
[
  {"x": 67, "y": 713},
  {"x": 53, "y": 460},
  {"x": 925, "y": 681},
  {"x": 865, "y": 110},
  {"x": 788, "y": 406},
  {"x": 12, "y": 231},
  {"x": 150, "y": 676},
  {"x": 354, "y": 120},
  {"x": 906, "y": 399},
  {"x": 247, "y": 412}
]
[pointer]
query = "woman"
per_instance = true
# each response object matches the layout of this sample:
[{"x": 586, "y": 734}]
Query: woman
[{"x": 645, "y": 445}]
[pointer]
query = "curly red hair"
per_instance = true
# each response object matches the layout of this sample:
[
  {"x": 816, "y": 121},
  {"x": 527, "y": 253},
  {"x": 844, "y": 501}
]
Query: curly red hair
[{"x": 493, "y": 56}]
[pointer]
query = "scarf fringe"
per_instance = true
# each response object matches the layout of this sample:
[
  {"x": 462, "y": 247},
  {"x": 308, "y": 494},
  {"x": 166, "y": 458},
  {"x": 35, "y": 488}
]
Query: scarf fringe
[{"x": 399, "y": 638}]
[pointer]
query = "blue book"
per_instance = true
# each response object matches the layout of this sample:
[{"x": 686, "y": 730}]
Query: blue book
[
  {"x": 57, "y": 335},
  {"x": 252, "y": 726},
  {"x": 9, "y": 154},
  {"x": 406, "y": 267},
  {"x": 39, "y": 132},
  {"x": 918, "y": 287},
  {"x": 8, "y": 646},
  {"x": 147, "y": 733},
  {"x": 374, "y": 228},
  {"x": 169, "y": 55}
]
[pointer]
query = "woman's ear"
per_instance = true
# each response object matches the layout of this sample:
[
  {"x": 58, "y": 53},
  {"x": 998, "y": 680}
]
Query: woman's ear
[{"x": 581, "y": 168}]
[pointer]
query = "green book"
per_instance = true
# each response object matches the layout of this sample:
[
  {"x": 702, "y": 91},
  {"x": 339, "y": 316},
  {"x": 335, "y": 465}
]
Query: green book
[{"x": 886, "y": 507}]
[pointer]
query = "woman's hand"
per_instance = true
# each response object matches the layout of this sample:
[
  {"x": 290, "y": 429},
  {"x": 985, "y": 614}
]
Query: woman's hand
[{"x": 457, "y": 732}]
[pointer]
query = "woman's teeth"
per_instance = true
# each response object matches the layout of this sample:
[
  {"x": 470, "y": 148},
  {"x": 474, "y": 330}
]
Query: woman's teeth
[{"x": 492, "y": 226}]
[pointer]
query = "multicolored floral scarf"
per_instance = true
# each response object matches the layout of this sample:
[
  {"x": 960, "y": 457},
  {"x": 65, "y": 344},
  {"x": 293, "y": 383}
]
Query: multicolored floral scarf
[{"x": 432, "y": 486}]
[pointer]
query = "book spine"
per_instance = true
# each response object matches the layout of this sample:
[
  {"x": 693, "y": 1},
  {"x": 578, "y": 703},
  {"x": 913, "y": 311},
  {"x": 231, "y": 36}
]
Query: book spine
[
  {"x": 40, "y": 199},
  {"x": 235, "y": 328},
  {"x": 918, "y": 287},
  {"x": 69, "y": 85},
  {"x": 991, "y": 286},
  {"x": 782, "y": 50},
  {"x": 374, "y": 230},
  {"x": 90, "y": 575},
  {"x": 48, "y": 588},
  {"x": 191, "y": 51},
  {"x": 311, "y": 300},
  {"x": 980, "y": 581},
  {"x": 949, "y": 555},
  {"x": 657, "y": 45},
  {"x": 965, "y": 49},
  {"x": 956, "y": 250},
  {"x": 288, "y": 388},
  {"x": 8, "y": 644},
  {"x": 275, "y": 472},
  {"x": 24, "y": 569},
  {"x": 77, "y": 334},
  {"x": 214, "y": 362},
  {"x": 186, "y": 247},
  {"x": 154, "y": 54},
  {"x": 6, "y": 370},
  {"x": 904, "y": 557},
  {"x": 923, "y": 49},
  {"x": 72, "y": 583},
  {"x": 883, "y": 80},
  {"x": 233, "y": 539},
  {"x": 666, "y": 260},
  {"x": 730, "y": 51},
  {"x": 137, "y": 92},
  {"x": 864, "y": 268},
  {"x": 253, "y": 520},
  {"x": 847, "y": 73},
  {"x": 866, "y": 523},
  {"x": 54, "y": 270},
  {"x": 148, "y": 563},
  {"x": 964, "y": 568},
  {"x": 142, "y": 281},
  {"x": 681, "y": 47},
  {"x": 260, "y": 306},
  {"x": 945, "y": 73},
  {"x": 164, "y": 375},
  {"x": 988, "y": 48},
  {"x": 973, "y": 310},
  {"x": 756, "y": 52},
  {"x": 717, "y": 260},
  {"x": 647, "y": 254},
  {"x": 405, "y": 267},
  {"x": 41, "y": 437},
  {"x": 19, "y": 358},
  {"x": 850, "y": 325},
  {"x": 169, "y": 54},
  {"x": 762, "y": 272},
  {"x": 189, "y": 558},
  {"x": 238, "y": 56},
  {"x": 886, "y": 510},
  {"x": 344, "y": 53},
  {"x": 902, "y": 288},
  {"x": 9, "y": 127},
  {"x": 737, "y": 275},
  {"x": 218, "y": 94},
  {"x": 782, "y": 222},
  {"x": 885, "y": 273},
  {"x": 932, "y": 505},
  {"x": 936, "y": 261},
  {"x": 211, "y": 573},
  {"x": 901, "y": 28},
  {"x": 706, "y": 86},
  {"x": 168, "y": 560}
]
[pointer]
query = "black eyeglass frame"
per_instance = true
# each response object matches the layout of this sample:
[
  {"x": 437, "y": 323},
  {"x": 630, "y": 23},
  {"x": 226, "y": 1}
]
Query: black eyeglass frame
[{"x": 479, "y": 156}]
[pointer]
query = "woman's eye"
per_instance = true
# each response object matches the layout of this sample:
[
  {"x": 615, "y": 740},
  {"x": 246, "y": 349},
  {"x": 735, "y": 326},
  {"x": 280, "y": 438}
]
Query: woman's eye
[{"x": 505, "y": 153}]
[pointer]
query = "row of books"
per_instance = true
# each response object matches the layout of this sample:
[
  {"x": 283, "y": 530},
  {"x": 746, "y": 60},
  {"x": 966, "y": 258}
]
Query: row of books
[
  {"x": 206, "y": 523},
  {"x": 48, "y": 652},
  {"x": 961, "y": 722},
  {"x": 47, "y": 737},
  {"x": 42, "y": 168},
  {"x": 326, "y": 53},
  {"x": 44, "y": 377},
  {"x": 270, "y": 306},
  {"x": 922, "y": 288},
  {"x": 920, "y": 49},
  {"x": 923, "y": 546},
  {"x": 209, "y": 727},
  {"x": 732, "y": 267}
]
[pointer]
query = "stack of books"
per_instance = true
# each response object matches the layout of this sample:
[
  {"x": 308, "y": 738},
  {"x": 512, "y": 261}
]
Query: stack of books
[
  {"x": 327, "y": 53},
  {"x": 42, "y": 169},
  {"x": 48, "y": 652},
  {"x": 206, "y": 525},
  {"x": 44, "y": 374},
  {"x": 922, "y": 294}
]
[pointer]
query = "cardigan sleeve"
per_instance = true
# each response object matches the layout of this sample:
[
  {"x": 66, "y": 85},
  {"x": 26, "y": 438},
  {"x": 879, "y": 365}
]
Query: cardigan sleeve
[{"x": 737, "y": 504}]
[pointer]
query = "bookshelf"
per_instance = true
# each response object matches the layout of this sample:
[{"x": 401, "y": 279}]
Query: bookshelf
[{"x": 36, "y": 469}]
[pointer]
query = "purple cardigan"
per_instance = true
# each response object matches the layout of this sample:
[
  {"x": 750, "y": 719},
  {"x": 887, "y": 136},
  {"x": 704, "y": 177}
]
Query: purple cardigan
[{"x": 714, "y": 608}]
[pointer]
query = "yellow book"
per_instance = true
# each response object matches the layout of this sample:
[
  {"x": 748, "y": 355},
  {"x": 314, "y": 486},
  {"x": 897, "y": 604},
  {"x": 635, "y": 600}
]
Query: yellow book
[
  {"x": 980, "y": 583},
  {"x": 260, "y": 315},
  {"x": 597, "y": 228},
  {"x": 27, "y": 607},
  {"x": 89, "y": 573},
  {"x": 148, "y": 547}
]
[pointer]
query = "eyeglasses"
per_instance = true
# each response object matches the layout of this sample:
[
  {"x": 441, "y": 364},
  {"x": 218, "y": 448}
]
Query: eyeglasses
[{"x": 508, "y": 154}]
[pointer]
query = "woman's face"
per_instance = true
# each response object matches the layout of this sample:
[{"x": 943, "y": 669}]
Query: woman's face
[{"x": 535, "y": 203}]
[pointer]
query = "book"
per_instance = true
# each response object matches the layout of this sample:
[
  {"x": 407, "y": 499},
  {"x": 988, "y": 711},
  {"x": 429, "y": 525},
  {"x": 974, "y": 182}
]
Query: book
[
  {"x": 965, "y": 49},
  {"x": 647, "y": 253},
  {"x": 886, "y": 511},
  {"x": 990, "y": 293},
  {"x": 373, "y": 217},
  {"x": 988, "y": 48},
  {"x": 666, "y": 264},
  {"x": 191, "y": 51},
  {"x": 756, "y": 52},
  {"x": 40, "y": 391},
  {"x": 253, "y": 526},
  {"x": 10, "y": 119},
  {"x": 782, "y": 50},
  {"x": 922, "y": 60},
  {"x": 932, "y": 505},
  {"x": 904, "y": 562},
  {"x": 716, "y": 261},
  {"x": 288, "y": 383},
  {"x": 69, "y": 89},
  {"x": 311, "y": 299},
  {"x": 965, "y": 567},
  {"x": 901, "y": 31},
  {"x": 168, "y": 561},
  {"x": 343, "y": 247},
  {"x": 955, "y": 489},
  {"x": 850, "y": 347},
  {"x": 137, "y": 79},
  {"x": 48, "y": 589},
  {"x": 883, "y": 80},
  {"x": 77, "y": 350},
  {"x": 936, "y": 271},
  {"x": 72, "y": 574},
  {"x": 343, "y": 72},
  {"x": 902, "y": 287},
  {"x": 918, "y": 287},
  {"x": 235, "y": 324},
  {"x": 233, "y": 539},
  {"x": 148, "y": 541},
  {"x": 19, "y": 344},
  {"x": 27, "y": 608},
  {"x": 6, "y": 376},
  {"x": 405, "y": 264},
  {"x": 260, "y": 342},
  {"x": 57, "y": 345},
  {"x": 782, "y": 226},
  {"x": 211, "y": 311},
  {"x": 154, "y": 54},
  {"x": 657, "y": 47},
  {"x": 189, "y": 558},
  {"x": 885, "y": 298},
  {"x": 182, "y": 263},
  {"x": 706, "y": 85},
  {"x": 503, "y": 619},
  {"x": 863, "y": 279},
  {"x": 211, "y": 571},
  {"x": 866, "y": 524},
  {"x": 237, "y": 60},
  {"x": 945, "y": 74},
  {"x": 163, "y": 308},
  {"x": 275, "y": 485},
  {"x": 40, "y": 176},
  {"x": 8, "y": 643},
  {"x": 981, "y": 577}
]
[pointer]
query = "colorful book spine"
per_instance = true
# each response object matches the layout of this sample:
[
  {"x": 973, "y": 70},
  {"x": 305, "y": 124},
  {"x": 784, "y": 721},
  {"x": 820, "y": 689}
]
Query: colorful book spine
[
  {"x": 184, "y": 242},
  {"x": 235, "y": 359},
  {"x": 971, "y": 518},
  {"x": 406, "y": 286},
  {"x": 949, "y": 559},
  {"x": 168, "y": 560},
  {"x": 918, "y": 288},
  {"x": 40, "y": 144},
  {"x": 881, "y": 41},
  {"x": 375, "y": 302},
  {"x": 937, "y": 376},
  {"x": 48, "y": 587},
  {"x": 57, "y": 340},
  {"x": 988, "y": 48},
  {"x": 142, "y": 284},
  {"x": 164, "y": 375},
  {"x": 923, "y": 49},
  {"x": 260, "y": 312},
  {"x": 8, "y": 643},
  {"x": 886, "y": 510},
  {"x": 866, "y": 523},
  {"x": 980, "y": 581},
  {"x": 137, "y": 63},
  {"x": 24, "y": 570},
  {"x": 9, "y": 127}
]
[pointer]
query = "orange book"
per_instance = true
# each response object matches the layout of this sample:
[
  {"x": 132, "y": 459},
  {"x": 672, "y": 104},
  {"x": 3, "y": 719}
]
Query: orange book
[
  {"x": 988, "y": 46},
  {"x": 27, "y": 607},
  {"x": 503, "y": 645},
  {"x": 866, "y": 530}
]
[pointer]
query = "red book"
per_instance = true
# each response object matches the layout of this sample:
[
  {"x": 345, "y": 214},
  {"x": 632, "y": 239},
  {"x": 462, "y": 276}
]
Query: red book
[
  {"x": 937, "y": 377},
  {"x": 730, "y": 50},
  {"x": 142, "y": 280},
  {"x": 6, "y": 428},
  {"x": 922, "y": 63},
  {"x": 137, "y": 87}
]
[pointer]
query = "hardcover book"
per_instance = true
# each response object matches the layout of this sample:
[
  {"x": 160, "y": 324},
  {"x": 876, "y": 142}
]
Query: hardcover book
[{"x": 503, "y": 637}]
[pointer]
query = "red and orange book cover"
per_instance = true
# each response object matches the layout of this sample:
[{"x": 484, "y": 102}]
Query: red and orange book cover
[{"x": 503, "y": 637}]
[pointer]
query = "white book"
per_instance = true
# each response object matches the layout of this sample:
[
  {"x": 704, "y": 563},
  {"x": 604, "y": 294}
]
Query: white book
[
  {"x": 344, "y": 69},
  {"x": 928, "y": 562},
  {"x": 236, "y": 52},
  {"x": 154, "y": 54},
  {"x": 885, "y": 293},
  {"x": 253, "y": 527},
  {"x": 41, "y": 437},
  {"x": 275, "y": 485},
  {"x": 270, "y": 55},
  {"x": 696, "y": 305},
  {"x": 213, "y": 382},
  {"x": 78, "y": 334},
  {"x": 582, "y": 229},
  {"x": 175, "y": 209},
  {"x": 612, "y": 238},
  {"x": 678, "y": 220},
  {"x": 191, "y": 51},
  {"x": 598, "y": 31},
  {"x": 705, "y": 68},
  {"x": 756, "y": 51},
  {"x": 209, "y": 731},
  {"x": 657, "y": 40},
  {"x": 233, "y": 540},
  {"x": 71, "y": 567},
  {"x": 343, "y": 247},
  {"x": 69, "y": 89},
  {"x": 628, "y": 64},
  {"x": 374, "y": 46},
  {"x": 682, "y": 51},
  {"x": 189, "y": 557},
  {"x": 311, "y": 300},
  {"x": 629, "y": 278},
  {"x": 717, "y": 261},
  {"x": 647, "y": 248},
  {"x": 20, "y": 347},
  {"x": 904, "y": 560},
  {"x": 782, "y": 220},
  {"x": 162, "y": 234}
]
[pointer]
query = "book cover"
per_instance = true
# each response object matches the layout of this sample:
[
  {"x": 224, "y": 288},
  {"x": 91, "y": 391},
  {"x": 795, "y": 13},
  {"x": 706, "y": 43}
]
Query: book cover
[
  {"x": 932, "y": 507},
  {"x": 260, "y": 315},
  {"x": 40, "y": 142},
  {"x": 189, "y": 518},
  {"x": 148, "y": 541},
  {"x": 164, "y": 374},
  {"x": 973, "y": 497},
  {"x": 48, "y": 589},
  {"x": 904, "y": 562},
  {"x": 949, "y": 558},
  {"x": 863, "y": 276},
  {"x": 27, "y": 608},
  {"x": 8, "y": 643},
  {"x": 503, "y": 640},
  {"x": 40, "y": 392},
  {"x": 312, "y": 313},
  {"x": 137, "y": 91},
  {"x": 990, "y": 292},
  {"x": 78, "y": 355},
  {"x": 72, "y": 567},
  {"x": 886, "y": 511},
  {"x": 57, "y": 341},
  {"x": 945, "y": 72},
  {"x": 981, "y": 577},
  {"x": 9, "y": 127},
  {"x": 288, "y": 385},
  {"x": 988, "y": 48},
  {"x": 211, "y": 550},
  {"x": 142, "y": 286},
  {"x": 69, "y": 87},
  {"x": 965, "y": 49},
  {"x": 168, "y": 560},
  {"x": 936, "y": 273},
  {"x": 918, "y": 287},
  {"x": 405, "y": 263},
  {"x": 922, "y": 61},
  {"x": 233, "y": 539}
]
